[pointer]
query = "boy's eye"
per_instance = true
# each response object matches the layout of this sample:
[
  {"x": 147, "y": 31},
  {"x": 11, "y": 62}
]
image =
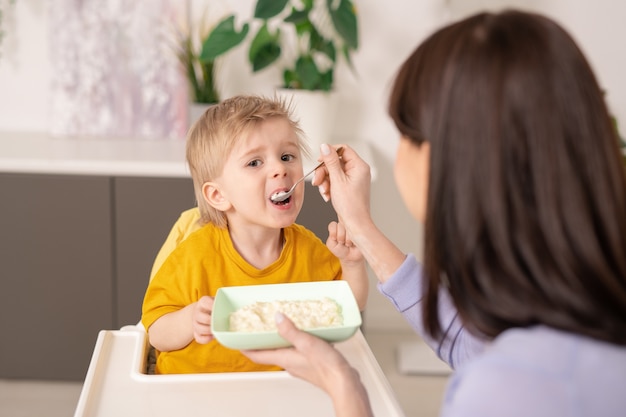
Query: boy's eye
[
  {"x": 254, "y": 163},
  {"x": 287, "y": 157}
]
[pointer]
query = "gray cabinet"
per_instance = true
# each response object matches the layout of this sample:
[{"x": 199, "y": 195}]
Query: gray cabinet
[
  {"x": 145, "y": 210},
  {"x": 76, "y": 253},
  {"x": 55, "y": 284},
  {"x": 75, "y": 258}
]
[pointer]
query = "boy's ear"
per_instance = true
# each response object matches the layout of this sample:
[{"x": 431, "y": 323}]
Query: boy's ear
[{"x": 212, "y": 195}]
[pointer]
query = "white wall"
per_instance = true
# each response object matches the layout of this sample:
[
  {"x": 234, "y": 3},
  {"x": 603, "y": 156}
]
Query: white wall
[
  {"x": 24, "y": 67},
  {"x": 389, "y": 31}
]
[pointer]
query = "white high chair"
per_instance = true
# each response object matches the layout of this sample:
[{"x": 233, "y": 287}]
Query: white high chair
[{"x": 118, "y": 384}]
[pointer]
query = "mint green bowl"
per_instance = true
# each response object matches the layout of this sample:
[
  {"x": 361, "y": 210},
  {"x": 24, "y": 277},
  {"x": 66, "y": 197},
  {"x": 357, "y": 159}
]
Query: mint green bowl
[{"x": 230, "y": 299}]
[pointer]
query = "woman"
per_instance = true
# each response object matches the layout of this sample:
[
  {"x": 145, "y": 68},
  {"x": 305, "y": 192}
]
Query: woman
[{"x": 509, "y": 157}]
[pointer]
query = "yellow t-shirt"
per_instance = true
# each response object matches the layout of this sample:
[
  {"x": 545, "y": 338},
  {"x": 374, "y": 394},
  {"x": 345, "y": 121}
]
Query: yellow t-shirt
[
  {"x": 206, "y": 261},
  {"x": 187, "y": 223}
]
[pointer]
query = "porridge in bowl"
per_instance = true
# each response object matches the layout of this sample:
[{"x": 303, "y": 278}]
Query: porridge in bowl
[{"x": 306, "y": 314}]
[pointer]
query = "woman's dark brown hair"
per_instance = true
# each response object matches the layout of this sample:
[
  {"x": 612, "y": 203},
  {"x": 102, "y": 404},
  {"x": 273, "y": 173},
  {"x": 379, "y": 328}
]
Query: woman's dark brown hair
[{"x": 526, "y": 215}]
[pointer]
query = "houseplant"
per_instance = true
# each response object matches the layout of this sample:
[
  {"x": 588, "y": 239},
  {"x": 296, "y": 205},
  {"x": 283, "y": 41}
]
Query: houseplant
[
  {"x": 310, "y": 35},
  {"x": 307, "y": 39},
  {"x": 199, "y": 62},
  {"x": 318, "y": 32}
]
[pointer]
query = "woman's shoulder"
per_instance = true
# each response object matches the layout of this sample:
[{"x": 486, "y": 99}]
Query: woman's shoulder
[{"x": 540, "y": 371}]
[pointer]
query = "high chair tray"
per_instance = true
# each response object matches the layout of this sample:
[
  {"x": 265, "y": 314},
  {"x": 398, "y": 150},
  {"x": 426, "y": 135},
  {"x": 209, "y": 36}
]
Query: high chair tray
[{"x": 117, "y": 385}]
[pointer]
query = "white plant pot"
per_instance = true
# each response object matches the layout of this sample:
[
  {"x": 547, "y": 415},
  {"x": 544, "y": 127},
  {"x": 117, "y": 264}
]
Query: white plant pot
[
  {"x": 194, "y": 112},
  {"x": 315, "y": 112}
]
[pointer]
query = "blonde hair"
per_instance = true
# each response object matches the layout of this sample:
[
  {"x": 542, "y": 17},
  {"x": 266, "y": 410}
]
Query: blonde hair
[{"x": 213, "y": 136}]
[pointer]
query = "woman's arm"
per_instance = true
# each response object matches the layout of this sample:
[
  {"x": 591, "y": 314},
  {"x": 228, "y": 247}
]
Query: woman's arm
[{"x": 404, "y": 289}]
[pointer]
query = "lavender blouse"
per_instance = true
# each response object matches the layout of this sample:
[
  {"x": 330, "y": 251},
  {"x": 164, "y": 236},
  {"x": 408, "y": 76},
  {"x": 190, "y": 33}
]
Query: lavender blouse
[{"x": 537, "y": 371}]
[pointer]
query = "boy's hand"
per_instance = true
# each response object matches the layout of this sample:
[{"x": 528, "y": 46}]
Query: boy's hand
[
  {"x": 201, "y": 317},
  {"x": 340, "y": 244}
]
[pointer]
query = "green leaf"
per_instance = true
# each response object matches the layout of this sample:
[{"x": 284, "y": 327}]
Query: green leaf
[
  {"x": 266, "y": 9},
  {"x": 303, "y": 26},
  {"x": 326, "y": 81},
  {"x": 222, "y": 38},
  {"x": 345, "y": 21},
  {"x": 346, "y": 54},
  {"x": 308, "y": 73},
  {"x": 297, "y": 16},
  {"x": 265, "y": 57},
  {"x": 264, "y": 49},
  {"x": 318, "y": 43},
  {"x": 290, "y": 79},
  {"x": 306, "y": 76}
]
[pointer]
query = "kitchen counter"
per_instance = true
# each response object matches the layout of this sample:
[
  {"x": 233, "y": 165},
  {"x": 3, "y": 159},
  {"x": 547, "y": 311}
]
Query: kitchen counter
[{"x": 39, "y": 153}]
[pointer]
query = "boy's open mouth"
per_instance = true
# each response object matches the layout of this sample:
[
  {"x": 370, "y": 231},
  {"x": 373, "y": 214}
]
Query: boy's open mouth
[{"x": 281, "y": 203}]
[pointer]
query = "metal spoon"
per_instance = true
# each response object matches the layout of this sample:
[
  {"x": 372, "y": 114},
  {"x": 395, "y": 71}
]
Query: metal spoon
[{"x": 283, "y": 195}]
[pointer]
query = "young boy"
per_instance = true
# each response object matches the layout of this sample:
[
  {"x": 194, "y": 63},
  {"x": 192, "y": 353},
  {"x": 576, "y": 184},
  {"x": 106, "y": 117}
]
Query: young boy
[{"x": 240, "y": 152}]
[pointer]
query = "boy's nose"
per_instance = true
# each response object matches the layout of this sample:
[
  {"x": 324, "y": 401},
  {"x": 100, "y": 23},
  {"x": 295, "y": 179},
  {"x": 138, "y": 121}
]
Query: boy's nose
[
  {"x": 279, "y": 170},
  {"x": 280, "y": 173}
]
